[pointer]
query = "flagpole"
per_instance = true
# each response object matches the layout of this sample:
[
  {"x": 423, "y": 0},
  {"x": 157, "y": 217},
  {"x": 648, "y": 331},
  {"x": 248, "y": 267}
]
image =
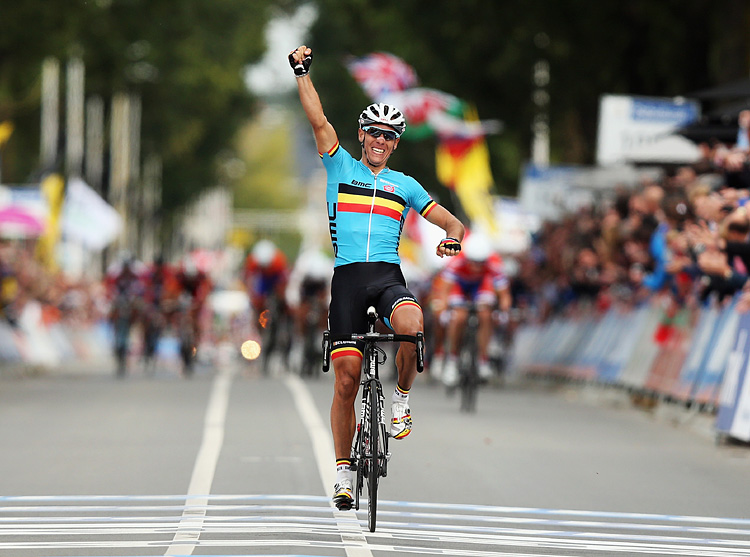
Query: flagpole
[{"x": 540, "y": 97}]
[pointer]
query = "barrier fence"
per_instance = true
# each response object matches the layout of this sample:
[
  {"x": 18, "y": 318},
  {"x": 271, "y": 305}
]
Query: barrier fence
[
  {"x": 697, "y": 357},
  {"x": 37, "y": 342}
]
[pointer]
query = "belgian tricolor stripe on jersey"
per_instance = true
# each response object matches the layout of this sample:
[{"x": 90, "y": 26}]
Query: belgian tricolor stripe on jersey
[
  {"x": 346, "y": 350},
  {"x": 331, "y": 151},
  {"x": 404, "y": 303},
  {"x": 427, "y": 208},
  {"x": 354, "y": 199}
]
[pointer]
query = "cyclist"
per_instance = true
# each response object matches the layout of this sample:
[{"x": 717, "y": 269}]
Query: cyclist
[
  {"x": 475, "y": 276},
  {"x": 125, "y": 289},
  {"x": 266, "y": 276},
  {"x": 160, "y": 291},
  {"x": 195, "y": 286},
  {"x": 266, "y": 273},
  {"x": 307, "y": 295},
  {"x": 367, "y": 204},
  {"x": 309, "y": 284}
]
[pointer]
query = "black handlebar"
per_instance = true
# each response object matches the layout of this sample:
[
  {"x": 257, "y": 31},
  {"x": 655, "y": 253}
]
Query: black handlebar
[{"x": 417, "y": 340}]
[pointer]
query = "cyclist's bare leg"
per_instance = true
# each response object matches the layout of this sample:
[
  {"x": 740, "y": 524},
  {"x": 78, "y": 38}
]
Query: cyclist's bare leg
[
  {"x": 484, "y": 333},
  {"x": 455, "y": 328},
  {"x": 407, "y": 320},
  {"x": 345, "y": 389}
]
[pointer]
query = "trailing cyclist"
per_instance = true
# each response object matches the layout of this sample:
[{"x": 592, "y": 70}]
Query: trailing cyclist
[
  {"x": 125, "y": 289},
  {"x": 308, "y": 297},
  {"x": 195, "y": 286},
  {"x": 159, "y": 296},
  {"x": 266, "y": 275},
  {"x": 475, "y": 276},
  {"x": 367, "y": 205}
]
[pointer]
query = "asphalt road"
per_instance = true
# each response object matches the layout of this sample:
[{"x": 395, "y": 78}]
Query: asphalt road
[{"x": 231, "y": 463}]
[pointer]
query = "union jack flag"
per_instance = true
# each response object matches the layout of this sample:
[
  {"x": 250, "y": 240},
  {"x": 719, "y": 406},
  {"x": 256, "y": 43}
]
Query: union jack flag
[{"x": 381, "y": 73}]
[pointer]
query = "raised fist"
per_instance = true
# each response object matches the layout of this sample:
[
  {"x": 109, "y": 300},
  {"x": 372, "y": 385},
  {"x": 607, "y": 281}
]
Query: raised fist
[{"x": 300, "y": 60}]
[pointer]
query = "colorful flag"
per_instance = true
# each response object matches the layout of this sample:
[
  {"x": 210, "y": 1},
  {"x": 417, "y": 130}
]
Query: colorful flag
[
  {"x": 421, "y": 106},
  {"x": 464, "y": 166},
  {"x": 53, "y": 190},
  {"x": 380, "y": 73},
  {"x": 6, "y": 129},
  {"x": 462, "y": 157},
  {"x": 431, "y": 113}
]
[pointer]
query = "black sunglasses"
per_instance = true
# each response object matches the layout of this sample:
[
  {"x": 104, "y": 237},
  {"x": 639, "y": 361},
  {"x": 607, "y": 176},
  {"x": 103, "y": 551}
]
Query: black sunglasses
[{"x": 388, "y": 135}]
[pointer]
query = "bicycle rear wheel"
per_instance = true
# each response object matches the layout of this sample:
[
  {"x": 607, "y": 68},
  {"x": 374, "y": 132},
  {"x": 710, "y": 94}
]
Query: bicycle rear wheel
[{"x": 373, "y": 456}]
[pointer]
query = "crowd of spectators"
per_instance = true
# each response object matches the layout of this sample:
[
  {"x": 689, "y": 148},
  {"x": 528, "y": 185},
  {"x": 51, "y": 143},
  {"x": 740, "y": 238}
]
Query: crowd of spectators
[
  {"x": 25, "y": 281},
  {"x": 681, "y": 240}
]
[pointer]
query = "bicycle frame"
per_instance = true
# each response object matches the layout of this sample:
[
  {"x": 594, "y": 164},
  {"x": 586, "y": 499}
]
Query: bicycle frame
[{"x": 369, "y": 452}]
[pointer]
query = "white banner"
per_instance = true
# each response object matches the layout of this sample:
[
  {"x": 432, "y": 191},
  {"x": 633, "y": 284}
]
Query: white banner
[
  {"x": 639, "y": 129},
  {"x": 87, "y": 218}
]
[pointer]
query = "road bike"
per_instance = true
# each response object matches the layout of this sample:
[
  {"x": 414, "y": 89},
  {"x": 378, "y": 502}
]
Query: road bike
[
  {"x": 275, "y": 332},
  {"x": 468, "y": 361},
  {"x": 370, "y": 454},
  {"x": 186, "y": 333},
  {"x": 311, "y": 348},
  {"x": 123, "y": 315}
]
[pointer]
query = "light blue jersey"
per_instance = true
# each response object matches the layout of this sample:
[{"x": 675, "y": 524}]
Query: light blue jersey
[{"x": 367, "y": 211}]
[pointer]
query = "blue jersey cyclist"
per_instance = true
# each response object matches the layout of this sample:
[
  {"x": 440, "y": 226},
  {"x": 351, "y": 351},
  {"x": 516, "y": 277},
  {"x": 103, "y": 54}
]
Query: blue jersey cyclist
[{"x": 367, "y": 205}]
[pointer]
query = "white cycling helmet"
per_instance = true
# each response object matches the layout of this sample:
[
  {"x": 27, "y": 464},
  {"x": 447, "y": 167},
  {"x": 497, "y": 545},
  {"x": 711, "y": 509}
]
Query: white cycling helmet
[
  {"x": 319, "y": 267},
  {"x": 263, "y": 252},
  {"x": 381, "y": 113},
  {"x": 477, "y": 247}
]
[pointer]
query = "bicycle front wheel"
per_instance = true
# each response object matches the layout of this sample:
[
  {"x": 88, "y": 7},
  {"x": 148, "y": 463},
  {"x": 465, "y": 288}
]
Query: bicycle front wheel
[
  {"x": 373, "y": 475},
  {"x": 469, "y": 383}
]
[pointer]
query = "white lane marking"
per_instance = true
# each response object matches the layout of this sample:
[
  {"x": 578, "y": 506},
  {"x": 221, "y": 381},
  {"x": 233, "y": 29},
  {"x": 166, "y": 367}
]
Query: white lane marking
[
  {"x": 354, "y": 539},
  {"x": 460, "y": 509},
  {"x": 189, "y": 530},
  {"x": 440, "y": 530},
  {"x": 445, "y": 533},
  {"x": 530, "y": 545},
  {"x": 449, "y": 527}
]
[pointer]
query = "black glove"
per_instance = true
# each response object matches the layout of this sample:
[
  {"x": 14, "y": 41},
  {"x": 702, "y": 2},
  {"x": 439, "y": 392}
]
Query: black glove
[
  {"x": 450, "y": 243},
  {"x": 300, "y": 68}
]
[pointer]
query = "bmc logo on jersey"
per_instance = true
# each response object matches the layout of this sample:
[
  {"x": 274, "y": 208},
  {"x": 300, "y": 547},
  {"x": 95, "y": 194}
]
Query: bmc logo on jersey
[{"x": 389, "y": 188}]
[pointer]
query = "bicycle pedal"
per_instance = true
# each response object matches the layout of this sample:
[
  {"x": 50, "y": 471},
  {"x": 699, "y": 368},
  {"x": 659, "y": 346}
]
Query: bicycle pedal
[{"x": 388, "y": 456}]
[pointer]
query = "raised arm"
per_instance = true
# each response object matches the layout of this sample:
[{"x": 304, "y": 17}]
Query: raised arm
[{"x": 325, "y": 136}]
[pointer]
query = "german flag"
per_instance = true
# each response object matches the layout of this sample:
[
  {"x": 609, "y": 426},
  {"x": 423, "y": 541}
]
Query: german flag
[{"x": 354, "y": 199}]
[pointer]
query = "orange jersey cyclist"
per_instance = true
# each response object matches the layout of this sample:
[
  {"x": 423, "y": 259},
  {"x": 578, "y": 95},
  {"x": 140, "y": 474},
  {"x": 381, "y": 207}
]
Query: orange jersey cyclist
[{"x": 367, "y": 205}]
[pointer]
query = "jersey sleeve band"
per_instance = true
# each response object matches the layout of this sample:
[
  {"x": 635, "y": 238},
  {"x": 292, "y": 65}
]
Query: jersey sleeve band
[
  {"x": 330, "y": 151},
  {"x": 427, "y": 208}
]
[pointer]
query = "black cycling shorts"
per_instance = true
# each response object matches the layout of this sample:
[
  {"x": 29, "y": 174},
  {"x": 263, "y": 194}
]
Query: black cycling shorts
[{"x": 354, "y": 288}]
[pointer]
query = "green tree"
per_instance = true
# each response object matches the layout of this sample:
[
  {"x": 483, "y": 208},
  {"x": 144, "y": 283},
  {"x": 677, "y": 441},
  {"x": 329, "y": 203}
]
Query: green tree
[
  {"x": 185, "y": 59},
  {"x": 484, "y": 51}
]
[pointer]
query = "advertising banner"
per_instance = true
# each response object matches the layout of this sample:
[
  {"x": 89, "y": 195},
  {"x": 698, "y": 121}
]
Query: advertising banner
[
  {"x": 603, "y": 338},
  {"x": 700, "y": 344},
  {"x": 674, "y": 343},
  {"x": 640, "y": 360},
  {"x": 733, "y": 417},
  {"x": 708, "y": 384},
  {"x": 629, "y": 325},
  {"x": 639, "y": 130}
]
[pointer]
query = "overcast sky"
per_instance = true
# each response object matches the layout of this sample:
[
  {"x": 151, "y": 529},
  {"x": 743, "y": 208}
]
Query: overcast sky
[{"x": 273, "y": 74}]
